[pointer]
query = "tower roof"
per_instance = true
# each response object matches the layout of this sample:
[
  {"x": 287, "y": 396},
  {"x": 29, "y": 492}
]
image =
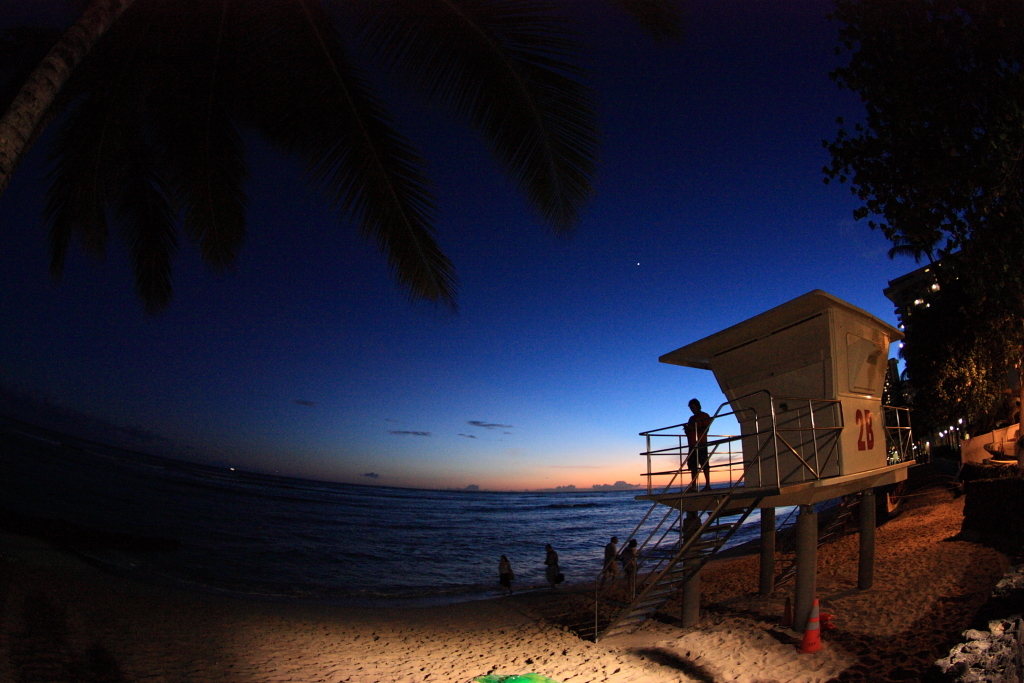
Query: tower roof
[{"x": 699, "y": 353}]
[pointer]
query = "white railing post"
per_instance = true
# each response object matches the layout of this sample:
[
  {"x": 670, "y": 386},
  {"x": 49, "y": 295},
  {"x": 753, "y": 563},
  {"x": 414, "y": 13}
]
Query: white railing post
[{"x": 650, "y": 477}]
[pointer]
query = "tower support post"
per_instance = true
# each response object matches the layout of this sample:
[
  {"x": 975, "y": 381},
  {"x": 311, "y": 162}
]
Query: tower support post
[
  {"x": 866, "y": 561},
  {"x": 806, "y": 565},
  {"x": 767, "y": 578},
  {"x": 690, "y": 591}
]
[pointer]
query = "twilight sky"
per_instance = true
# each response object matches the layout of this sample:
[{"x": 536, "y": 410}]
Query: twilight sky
[{"x": 308, "y": 361}]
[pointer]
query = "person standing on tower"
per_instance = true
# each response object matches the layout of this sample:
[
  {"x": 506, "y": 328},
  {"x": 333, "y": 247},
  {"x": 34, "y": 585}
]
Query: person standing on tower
[{"x": 696, "y": 429}]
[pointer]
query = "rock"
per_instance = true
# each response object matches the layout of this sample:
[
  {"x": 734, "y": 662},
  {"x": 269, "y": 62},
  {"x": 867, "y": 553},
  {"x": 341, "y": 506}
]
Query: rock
[
  {"x": 987, "y": 656},
  {"x": 1011, "y": 582}
]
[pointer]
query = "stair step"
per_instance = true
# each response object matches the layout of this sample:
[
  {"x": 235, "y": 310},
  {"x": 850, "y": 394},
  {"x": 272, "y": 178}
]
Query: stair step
[
  {"x": 699, "y": 545},
  {"x": 664, "y": 587},
  {"x": 645, "y": 606},
  {"x": 652, "y": 600},
  {"x": 632, "y": 619},
  {"x": 613, "y": 632},
  {"x": 658, "y": 592}
]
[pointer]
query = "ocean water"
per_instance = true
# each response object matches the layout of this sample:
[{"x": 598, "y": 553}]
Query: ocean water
[{"x": 240, "y": 532}]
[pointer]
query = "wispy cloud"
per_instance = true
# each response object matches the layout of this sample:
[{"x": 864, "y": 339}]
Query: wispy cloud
[
  {"x": 309, "y": 404},
  {"x": 487, "y": 425},
  {"x": 406, "y": 432},
  {"x": 372, "y": 475},
  {"x": 468, "y": 436}
]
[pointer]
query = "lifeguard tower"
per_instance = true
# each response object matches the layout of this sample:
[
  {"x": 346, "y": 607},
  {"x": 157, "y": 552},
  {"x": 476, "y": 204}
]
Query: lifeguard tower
[{"x": 804, "y": 381}]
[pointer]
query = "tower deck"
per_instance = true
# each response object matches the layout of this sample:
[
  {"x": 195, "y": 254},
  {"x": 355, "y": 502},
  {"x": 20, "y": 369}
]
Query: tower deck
[{"x": 803, "y": 493}]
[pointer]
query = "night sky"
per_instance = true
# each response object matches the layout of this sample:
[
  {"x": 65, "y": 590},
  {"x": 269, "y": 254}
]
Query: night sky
[{"x": 307, "y": 360}]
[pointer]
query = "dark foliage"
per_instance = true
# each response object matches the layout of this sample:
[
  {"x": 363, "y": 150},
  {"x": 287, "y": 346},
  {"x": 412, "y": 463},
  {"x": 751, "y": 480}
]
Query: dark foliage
[
  {"x": 937, "y": 165},
  {"x": 958, "y": 352}
]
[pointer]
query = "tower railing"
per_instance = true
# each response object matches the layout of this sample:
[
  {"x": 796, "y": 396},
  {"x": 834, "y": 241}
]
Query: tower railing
[
  {"x": 807, "y": 430},
  {"x": 899, "y": 440}
]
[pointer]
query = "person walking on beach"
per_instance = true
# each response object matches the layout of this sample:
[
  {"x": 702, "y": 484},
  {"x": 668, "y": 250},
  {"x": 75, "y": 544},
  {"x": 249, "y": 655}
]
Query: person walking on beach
[
  {"x": 628, "y": 559},
  {"x": 696, "y": 429},
  {"x": 505, "y": 574},
  {"x": 552, "y": 572},
  {"x": 609, "y": 571}
]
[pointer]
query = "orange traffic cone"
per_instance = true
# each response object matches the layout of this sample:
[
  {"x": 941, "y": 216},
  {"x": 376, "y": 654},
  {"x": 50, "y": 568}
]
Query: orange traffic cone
[
  {"x": 787, "y": 614},
  {"x": 812, "y": 635}
]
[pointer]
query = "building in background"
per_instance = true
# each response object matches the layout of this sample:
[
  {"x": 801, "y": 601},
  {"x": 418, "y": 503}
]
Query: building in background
[{"x": 915, "y": 290}]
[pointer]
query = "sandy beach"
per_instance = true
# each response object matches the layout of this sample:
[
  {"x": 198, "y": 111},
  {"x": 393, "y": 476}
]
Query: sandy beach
[{"x": 64, "y": 620}]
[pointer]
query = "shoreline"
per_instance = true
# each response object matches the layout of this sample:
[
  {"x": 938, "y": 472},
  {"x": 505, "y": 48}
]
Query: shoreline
[
  {"x": 72, "y": 621},
  {"x": 22, "y": 534}
]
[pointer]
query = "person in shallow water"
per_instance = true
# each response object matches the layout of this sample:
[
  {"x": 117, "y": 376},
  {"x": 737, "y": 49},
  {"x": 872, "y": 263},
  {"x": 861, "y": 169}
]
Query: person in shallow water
[
  {"x": 609, "y": 571},
  {"x": 505, "y": 574},
  {"x": 552, "y": 572}
]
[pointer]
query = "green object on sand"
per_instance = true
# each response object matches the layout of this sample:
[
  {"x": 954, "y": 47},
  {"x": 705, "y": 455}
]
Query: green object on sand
[{"x": 515, "y": 678}]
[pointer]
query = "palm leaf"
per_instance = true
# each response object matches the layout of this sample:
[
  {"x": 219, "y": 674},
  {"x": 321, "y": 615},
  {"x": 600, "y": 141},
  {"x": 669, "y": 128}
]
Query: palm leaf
[
  {"x": 101, "y": 158},
  {"x": 202, "y": 152},
  {"x": 75, "y": 198},
  {"x": 324, "y": 112},
  {"x": 147, "y": 226},
  {"x": 510, "y": 69},
  {"x": 104, "y": 158}
]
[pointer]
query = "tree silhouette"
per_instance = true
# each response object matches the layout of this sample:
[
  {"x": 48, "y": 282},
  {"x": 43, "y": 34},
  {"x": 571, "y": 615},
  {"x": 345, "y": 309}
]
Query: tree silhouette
[
  {"x": 153, "y": 97},
  {"x": 937, "y": 161}
]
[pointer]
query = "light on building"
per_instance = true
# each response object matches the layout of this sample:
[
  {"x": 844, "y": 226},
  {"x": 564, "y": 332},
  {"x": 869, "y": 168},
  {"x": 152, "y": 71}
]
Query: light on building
[
  {"x": 918, "y": 302},
  {"x": 935, "y": 286}
]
